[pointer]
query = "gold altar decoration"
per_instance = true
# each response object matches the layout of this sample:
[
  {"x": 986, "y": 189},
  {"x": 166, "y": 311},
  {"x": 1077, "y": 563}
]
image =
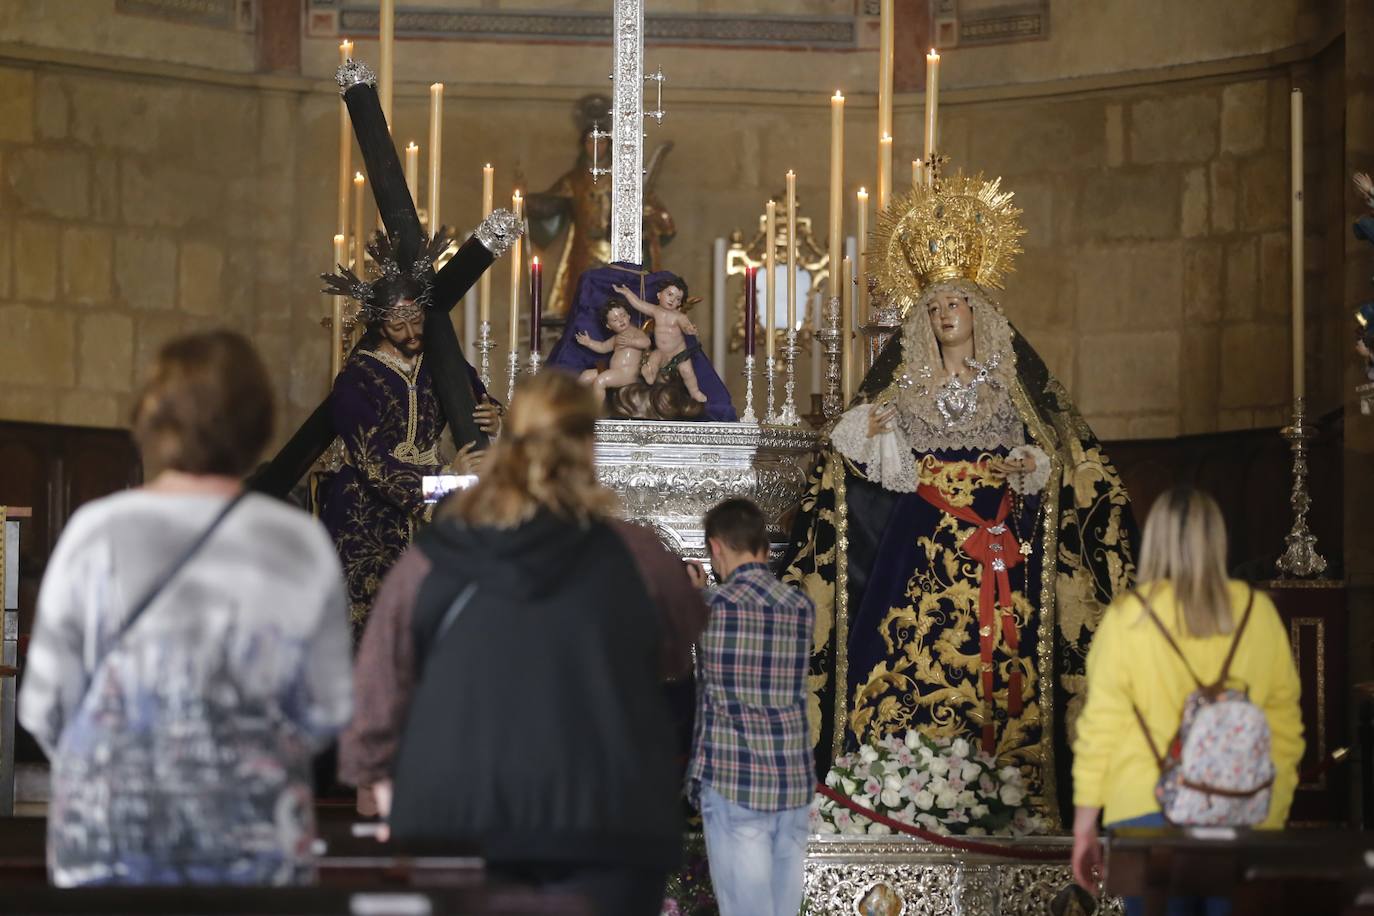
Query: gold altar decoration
[
  {"x": 811, "y": 257},
  {"x": 964, "y": 227}
]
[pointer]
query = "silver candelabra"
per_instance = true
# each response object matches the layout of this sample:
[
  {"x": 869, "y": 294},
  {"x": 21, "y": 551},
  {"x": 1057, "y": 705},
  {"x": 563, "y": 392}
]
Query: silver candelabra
[
  {"x": 484, "y": 347},
  {"x": 1300, "y": 559},
  {"x": 748, "y": 416},
  {"x": 770, "y": 415},
  {"x": 788, "y": 415},
  {"x": 535, "y": 362},
  {"x": 512, "y": 372},
  {"x": 829, "y": 338}
]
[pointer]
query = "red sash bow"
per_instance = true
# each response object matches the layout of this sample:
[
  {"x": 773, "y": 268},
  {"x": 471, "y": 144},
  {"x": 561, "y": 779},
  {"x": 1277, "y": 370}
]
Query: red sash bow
[{"x": 994, "y": 547}]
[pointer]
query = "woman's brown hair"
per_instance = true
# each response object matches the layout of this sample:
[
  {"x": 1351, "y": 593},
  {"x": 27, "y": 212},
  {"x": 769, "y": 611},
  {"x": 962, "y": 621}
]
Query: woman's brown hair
[
  {"x": 1185, "y": 544},
  {"x": 207, "y": 406},
  {"x": 543, "y": 459}
]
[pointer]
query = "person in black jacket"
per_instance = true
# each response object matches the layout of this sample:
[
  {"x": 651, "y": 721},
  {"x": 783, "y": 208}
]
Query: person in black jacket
[{"x": 510, "y": 677}]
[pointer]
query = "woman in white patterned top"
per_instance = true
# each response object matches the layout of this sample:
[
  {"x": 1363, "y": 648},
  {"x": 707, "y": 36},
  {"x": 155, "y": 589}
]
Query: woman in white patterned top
[{"x": 181, "y": 747}]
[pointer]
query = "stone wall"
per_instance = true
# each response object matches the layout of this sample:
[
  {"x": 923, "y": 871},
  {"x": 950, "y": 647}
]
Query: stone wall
[{"x": 139, "y": 197}]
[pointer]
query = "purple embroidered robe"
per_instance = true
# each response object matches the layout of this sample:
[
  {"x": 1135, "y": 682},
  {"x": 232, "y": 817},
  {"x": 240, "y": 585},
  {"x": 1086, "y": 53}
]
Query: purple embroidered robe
[{"x": 390, "y": 422}]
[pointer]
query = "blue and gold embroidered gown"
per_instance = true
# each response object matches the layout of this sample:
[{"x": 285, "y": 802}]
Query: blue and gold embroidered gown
[{"x": 947, "y": 601}]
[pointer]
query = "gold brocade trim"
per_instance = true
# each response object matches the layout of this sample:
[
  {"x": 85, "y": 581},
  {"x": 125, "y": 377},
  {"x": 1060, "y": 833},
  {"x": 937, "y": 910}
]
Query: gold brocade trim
[
  {"x": 1045, "y": 437},
  {"x": 841, "y": 648},
  {"x": 406, "y": 450}
]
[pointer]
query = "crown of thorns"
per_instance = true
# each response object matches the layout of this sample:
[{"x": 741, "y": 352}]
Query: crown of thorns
[{"x": 385, "y": 267}]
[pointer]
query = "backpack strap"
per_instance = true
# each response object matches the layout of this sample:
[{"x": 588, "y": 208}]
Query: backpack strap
[
  {"x": 1235, "y": 641},
  {"x": 1149, "y": 740},
  {"x": 1168, "y": 637}
]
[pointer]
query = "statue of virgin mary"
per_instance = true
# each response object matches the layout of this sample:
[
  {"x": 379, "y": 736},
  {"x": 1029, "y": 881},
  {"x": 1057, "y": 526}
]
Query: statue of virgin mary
[{"x": 963, "y": 530}]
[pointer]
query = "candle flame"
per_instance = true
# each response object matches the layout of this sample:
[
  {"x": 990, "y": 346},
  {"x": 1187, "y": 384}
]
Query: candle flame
[
  {"x": 412, "y": 146},
  {"x": 838, "y": 96},
  {"x": 436, "y": 87},
  {"x": 933, "y": 55},
  {"x": 536, "y": 261},
  {"x": 357, "y": 177},
  {"x": 338, "y": 239},
  {"x": 487, "y": 167},
  {"x": 863, "y": 192},
  {"x": 886, "y": 138}
]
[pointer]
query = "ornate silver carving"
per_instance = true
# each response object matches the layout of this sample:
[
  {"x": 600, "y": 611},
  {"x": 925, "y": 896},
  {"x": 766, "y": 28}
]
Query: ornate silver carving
[
  {"x": 353, "y": 73},
  {"x": 748, "y": 416},
  {"x": 668, "y": 474},
  {"x": 829, "y": 337},
  {"x": 898, "y": 876},
  {"x": 498, "y": 231},
  {"x": 788, "y": 415},
  {"x": 484, "y": 348},
  {"x": 627, "y": 132},
  {"x": 1300, "y": 559}
]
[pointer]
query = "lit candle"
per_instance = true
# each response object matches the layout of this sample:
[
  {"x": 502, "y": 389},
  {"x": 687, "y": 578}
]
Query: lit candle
[
  {"x": 932, "y": 107},
  {"x": 536, "y": 302},
  {"x": 847, "y": 333},
  {"x": 484, "y": 288},
  {"x": 751, "y": 307},
  {"x": 336, "y": 314},
  {"x": 791, "y": 250},
  {"x": 884, "y": 171},
  {"x": 861, "y": 269},
  {"x": 1299, "y": 306},
  {"x": 770, "y": 286},
  {"x": 436, "y": 120},
  {"x": 517, "y": 203},
  {"x": 412, "y": 167},
  {"x": 359, "y": 238},
  {"x": 917, "y": 179},
  {"x": 836, "y": 187},
  {"x": 386, "y": 29},
  {"x": 345, "y": 149}
]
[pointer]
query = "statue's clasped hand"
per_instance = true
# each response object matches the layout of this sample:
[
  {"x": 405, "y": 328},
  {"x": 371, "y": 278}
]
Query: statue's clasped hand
[
  {"x": 488, "y": 417},
  {"x": 880, "y": 419},
  {"x": 1007, "y": 467}
]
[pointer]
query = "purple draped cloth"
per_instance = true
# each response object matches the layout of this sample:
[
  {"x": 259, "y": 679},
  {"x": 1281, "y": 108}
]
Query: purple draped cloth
[{"x": 594, "y": 287}]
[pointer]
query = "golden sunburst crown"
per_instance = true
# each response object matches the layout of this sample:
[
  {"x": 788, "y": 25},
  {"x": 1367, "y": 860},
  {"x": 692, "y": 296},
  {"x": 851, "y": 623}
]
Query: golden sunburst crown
[{"x": 964, "y": 229}]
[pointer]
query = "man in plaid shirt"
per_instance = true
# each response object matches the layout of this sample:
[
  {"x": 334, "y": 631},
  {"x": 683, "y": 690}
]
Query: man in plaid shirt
[{"x": 751, "y": 771}]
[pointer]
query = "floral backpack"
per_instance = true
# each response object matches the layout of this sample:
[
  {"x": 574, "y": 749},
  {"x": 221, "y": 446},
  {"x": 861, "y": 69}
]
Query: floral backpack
[{"x": 1218, "y": 770}]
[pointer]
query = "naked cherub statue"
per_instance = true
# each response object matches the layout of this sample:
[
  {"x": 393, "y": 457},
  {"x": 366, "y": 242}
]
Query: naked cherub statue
[
  {"x": 626, "y": 346},
  {"x": 671, "y": 353}
]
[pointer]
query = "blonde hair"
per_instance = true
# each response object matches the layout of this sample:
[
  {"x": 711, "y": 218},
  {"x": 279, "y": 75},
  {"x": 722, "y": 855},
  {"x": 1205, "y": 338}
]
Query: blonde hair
[
  {"x": 543, "y": 459},
  {"x": 1185, "y": 543}
]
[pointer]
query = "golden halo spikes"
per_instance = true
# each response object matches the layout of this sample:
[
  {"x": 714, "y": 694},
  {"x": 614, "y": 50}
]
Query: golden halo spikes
[{"x": 965, "y": 229}]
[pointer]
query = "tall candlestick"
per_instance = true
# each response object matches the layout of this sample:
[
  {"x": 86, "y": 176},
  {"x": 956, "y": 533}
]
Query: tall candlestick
[
  {"x": 345, "y": 149},
  {"x": 386, "y": 32},
  {"x": 1299, "y": 306},
  {"x": 536, "y": 303},
  {"x": 884, "y": 172},
  {"x": 484, "y": 287},
  {"x": 836, "y": 187},
  {"x": 436, "y": 142},
  {"x": 861, "y": 268},
  {"x": 791, "y": 250},
  {"x": 517, "y": 204},
  {"x": 770, "y": 266},
  {"x": 751, "y": 307},
  {"x": 412, "y": 167},
  {"x": 359, "y": 234},
  {"x": 886, "y": 30},
  {"x": 336, "y": 313},
  {"x": 847, "y": 333},
  {"x": 932, "y": 107}
]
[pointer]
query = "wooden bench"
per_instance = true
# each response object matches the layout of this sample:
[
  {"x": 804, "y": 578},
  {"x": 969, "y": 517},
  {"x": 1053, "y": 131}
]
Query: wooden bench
[{"x": 1263, "y": 872}]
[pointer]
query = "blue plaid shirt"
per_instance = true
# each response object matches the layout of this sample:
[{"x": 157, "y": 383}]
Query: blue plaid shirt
[{"x": 751, "y": 742}]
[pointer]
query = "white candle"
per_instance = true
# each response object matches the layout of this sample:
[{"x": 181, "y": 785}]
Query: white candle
[
  {"x": 886, "y": 30},
  {"x": 917, "y": 179},
  {"x": 884, "y": 172},
  {"x": 718, "y": 304},
  {"x": 932, "y": 106},
  {"x": 436, "y": 142},
  {"x": 861, "y": 275},
  {"x": 847, "y": 333},
  {"x": 1299, "y": 345},
  {"x": 836, "y": 188},
  {"x": 345, "y": 149},
  {"x": 791, "y": 250},
  {"x": 484, "y": 293},
  {"x": 517, "y": 203},
  {"x": 412, "y": 167},
  {"x": 359, "y": 238},
  {"x": 387, "y": 34},
  {"x": 770, "y": 266}
]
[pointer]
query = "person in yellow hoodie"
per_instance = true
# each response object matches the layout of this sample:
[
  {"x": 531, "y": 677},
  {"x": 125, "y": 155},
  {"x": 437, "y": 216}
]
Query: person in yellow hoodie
[{"x": 1131, "y": 666}]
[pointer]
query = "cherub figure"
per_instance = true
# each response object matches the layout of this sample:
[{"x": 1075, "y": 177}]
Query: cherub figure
[
  {"x": 670, "y": 354},
  {"x": 626, "y": 346}
]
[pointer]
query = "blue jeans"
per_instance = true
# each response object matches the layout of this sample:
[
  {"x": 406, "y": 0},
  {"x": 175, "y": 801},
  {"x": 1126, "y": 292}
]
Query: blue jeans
[
  {"x": 1177, "y": 906},
  {"x": 756, "y": 857}
]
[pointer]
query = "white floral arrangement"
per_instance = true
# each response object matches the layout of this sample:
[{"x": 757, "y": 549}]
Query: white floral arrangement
[{"x": 939, "y": 784}]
